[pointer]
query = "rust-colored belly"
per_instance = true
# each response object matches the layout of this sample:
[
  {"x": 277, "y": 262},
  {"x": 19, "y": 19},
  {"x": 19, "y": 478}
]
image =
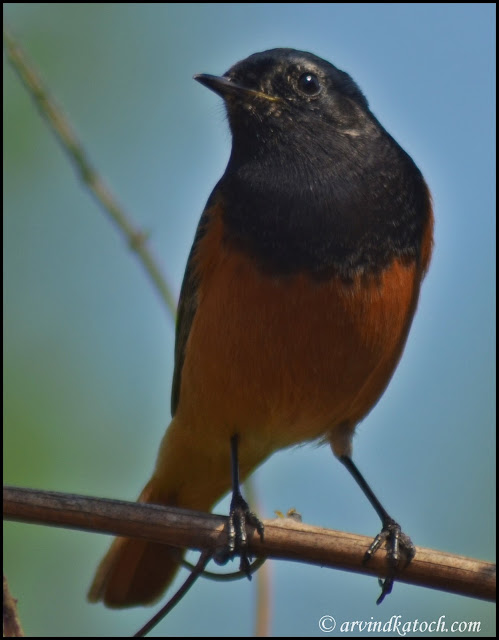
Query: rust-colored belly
[{"x": 282, "y": 360}]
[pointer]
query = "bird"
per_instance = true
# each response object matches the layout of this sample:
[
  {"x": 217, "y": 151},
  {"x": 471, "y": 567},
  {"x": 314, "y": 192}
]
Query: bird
[{"x": 298, "y": 295}]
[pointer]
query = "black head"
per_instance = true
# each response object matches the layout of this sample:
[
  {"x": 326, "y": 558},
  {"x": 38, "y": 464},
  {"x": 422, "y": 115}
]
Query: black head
[
  {"x": 314, "y": 183},
  {"x": 283, "y": 86}
]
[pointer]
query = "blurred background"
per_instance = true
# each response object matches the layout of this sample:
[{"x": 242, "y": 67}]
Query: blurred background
[{"x": 88, "y": 345}]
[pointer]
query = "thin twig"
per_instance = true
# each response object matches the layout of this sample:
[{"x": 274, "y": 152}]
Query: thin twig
[
  {"x": 175, "y": 599},
  {"x": 66, "y": 136},
  {"x": 255, "y": 566},
  {"x": 285, "y": 538}
]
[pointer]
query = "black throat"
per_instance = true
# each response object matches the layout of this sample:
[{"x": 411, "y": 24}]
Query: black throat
[{"x": 345, "y": 203}]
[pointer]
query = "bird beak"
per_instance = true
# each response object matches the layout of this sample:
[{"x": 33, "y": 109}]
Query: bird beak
[{"x": 227, "y": 89}]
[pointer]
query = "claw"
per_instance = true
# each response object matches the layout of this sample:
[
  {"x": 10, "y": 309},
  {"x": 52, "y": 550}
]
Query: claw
[
  {"x": 240, "y": 517},
  {"x": 400, "y": 552}
]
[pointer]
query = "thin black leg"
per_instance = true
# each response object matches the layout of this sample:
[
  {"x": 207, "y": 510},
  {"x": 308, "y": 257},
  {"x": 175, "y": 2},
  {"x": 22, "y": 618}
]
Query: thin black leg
[
  {"x": 400, "y": 550},
  {"x": 240, "y": 515},
  {"x": 234, "y": 463}
]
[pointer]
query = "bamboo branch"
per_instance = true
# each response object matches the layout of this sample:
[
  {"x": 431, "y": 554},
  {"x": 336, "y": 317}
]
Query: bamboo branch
[{"x": 284, "y": 538}]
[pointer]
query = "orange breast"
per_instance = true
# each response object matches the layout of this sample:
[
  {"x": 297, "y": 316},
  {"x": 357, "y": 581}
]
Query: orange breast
[{"x": 287, "y": 359}]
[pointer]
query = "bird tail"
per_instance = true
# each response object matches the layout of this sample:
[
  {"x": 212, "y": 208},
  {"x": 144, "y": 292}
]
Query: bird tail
[{"x": 136, "y": 572}]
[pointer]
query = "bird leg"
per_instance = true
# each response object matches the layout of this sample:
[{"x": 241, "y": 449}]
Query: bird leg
[
  {"x": 400, "y": 550},
  {"x": 240, "y": 516}
]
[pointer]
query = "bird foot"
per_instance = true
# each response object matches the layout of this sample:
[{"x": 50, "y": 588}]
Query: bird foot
[
  {"x": 400, "y": 552},
  {"x": 240, "y": 517}
]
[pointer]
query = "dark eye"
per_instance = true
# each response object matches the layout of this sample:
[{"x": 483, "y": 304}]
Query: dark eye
[{"x": 309, "y": 84}]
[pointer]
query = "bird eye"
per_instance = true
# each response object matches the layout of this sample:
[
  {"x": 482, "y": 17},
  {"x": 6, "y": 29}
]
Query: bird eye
[{"x": 309, "y": 84}]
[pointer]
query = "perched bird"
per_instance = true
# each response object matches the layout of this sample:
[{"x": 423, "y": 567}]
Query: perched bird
[{"x": 297, "y": 299}]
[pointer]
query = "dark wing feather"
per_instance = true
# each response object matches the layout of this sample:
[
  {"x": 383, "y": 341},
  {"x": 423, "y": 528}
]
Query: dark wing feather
[{"x": 187, "y": 307}]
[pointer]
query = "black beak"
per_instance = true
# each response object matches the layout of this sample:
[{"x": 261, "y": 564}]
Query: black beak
[
  {"x": 220, "y": 85},
  {"x": 226, "y": 88}
]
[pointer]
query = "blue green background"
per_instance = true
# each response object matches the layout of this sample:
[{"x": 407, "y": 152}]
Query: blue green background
[{"x": 88, "y": 345}]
